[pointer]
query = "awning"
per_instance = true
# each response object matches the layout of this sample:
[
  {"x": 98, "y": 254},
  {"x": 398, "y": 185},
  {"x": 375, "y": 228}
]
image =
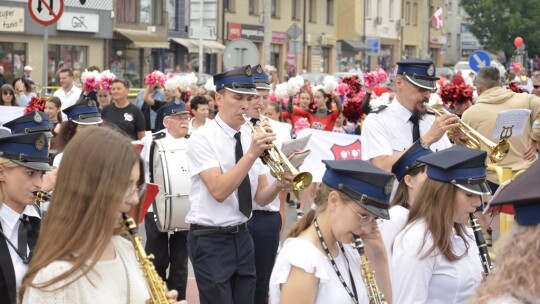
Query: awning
[
  {"x": 213, "y": 46},
  {"x": 190, "y": 44},
  {"x": 354, "y": 45},
  {"x": 144, "y": 39}
]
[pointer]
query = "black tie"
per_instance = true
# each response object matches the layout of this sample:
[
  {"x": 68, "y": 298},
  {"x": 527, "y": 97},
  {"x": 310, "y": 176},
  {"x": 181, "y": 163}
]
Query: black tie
[
  {"x": 23, "y": 238},
  {"x": 415, "y": 128},
  {"x": 244, "y": 190}
]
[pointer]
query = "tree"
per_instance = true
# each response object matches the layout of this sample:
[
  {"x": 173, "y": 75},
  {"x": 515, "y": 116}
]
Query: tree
[{"x": 496, "y": 23}]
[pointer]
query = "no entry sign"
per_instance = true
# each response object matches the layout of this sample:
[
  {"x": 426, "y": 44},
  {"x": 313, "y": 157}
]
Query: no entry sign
[{"x": 46, "y": 12}]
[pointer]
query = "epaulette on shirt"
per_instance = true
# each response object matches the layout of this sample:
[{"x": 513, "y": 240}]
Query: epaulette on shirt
[
  {"x": 379, "y": 109},
  {"x": 158, "y": 135}
]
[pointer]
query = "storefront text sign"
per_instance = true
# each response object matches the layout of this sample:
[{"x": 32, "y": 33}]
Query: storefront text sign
[
  {"x": 11, "y": 19},
  {"x": 279, "y": 37},
  {"x": 247, "y": 31},
  {"x": 79, "y": 22}
]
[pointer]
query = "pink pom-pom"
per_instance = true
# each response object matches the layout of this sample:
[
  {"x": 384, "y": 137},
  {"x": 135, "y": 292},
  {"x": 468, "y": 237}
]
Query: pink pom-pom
[
  {"x": 300, "y": 124},
  {"x": 342, "y": 89}
]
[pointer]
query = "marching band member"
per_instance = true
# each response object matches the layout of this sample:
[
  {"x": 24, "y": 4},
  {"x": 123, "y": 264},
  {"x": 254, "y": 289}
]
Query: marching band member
[
  {"x": 411, "y": 174},
  {"x": 514, "y": 280},
  {"x": 317, "y": 264},
  {"x": 80, "y": 115},
  {"x": 435, "y": 257},
  {"x": 226, "y": 177},
  {"x": 24, "y": 158},
  {"x": 91, "y": 263},
  {"x": 389, "y": 131},
  {"x": 266, "y": 222},
  {"x": 170, "y": 249}
]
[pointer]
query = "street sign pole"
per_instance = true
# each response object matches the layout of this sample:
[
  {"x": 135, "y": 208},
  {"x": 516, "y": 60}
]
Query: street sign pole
[{"x": 45, "y": 65}]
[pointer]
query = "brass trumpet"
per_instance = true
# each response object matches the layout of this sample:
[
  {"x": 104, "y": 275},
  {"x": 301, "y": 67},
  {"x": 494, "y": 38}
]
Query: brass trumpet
[
  {"x": 277, "y": 161},
  {"x": 497, "y": 152}
]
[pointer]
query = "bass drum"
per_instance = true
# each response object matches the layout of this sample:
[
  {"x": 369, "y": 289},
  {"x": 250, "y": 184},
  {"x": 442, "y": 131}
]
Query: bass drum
[{"x": 169, "y": 168}]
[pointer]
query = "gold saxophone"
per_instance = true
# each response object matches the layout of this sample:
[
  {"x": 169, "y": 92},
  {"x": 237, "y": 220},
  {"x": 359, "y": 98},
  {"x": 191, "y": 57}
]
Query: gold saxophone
[
  {"x": 374, "y": 294},
  {"x": 156, "y": 287}
]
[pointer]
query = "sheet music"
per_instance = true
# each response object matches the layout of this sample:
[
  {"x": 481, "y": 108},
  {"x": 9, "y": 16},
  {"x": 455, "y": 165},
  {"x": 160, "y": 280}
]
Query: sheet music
[
  {"x": 295, "y": 145},
  {"x": 518, "y": 118}
]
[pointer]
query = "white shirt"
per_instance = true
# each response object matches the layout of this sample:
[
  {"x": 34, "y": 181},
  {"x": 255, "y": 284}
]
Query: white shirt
[
  {"x": 304, "y": 255},
  {"x": 390, "y": 131},
  {"x": 68, "y": 98},
  {"x": 191, "y": 128},
  {"x": 10, "y": 227},
  {"x": 392, "y": 227},
  {"x": 282, "y": 135},
  {"x": 210, "y": 147},
  {"x": 434, "y": 279}
]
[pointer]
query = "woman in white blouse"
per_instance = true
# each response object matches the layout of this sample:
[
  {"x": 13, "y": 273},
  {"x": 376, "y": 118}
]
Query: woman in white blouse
[
  {"x": 80, "y": 257},
  {"x": 200, "y": 110},
  {"x": 318, "y": 264},
  {"x": 435, "y": 257}
]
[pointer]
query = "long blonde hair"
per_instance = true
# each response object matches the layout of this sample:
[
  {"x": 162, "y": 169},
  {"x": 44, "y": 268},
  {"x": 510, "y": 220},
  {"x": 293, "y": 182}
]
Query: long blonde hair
[
  {"x": 518, "y": 267},
  {"x": 91, "y": 184},
  {"x": 435, "y": 205}
]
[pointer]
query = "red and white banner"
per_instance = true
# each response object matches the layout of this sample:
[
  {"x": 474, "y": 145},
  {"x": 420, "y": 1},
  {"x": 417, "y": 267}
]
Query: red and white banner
[
  {"x": 437, "y": 19},
  {"x": 326, "y": 145}
]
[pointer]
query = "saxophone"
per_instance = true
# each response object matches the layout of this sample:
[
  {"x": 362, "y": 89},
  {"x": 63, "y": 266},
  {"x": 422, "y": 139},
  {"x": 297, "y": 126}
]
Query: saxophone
[
  {"x": 156, "y": 287},
  {"x": 374, "y": 294},
  {"x": 481, "y": 243}
]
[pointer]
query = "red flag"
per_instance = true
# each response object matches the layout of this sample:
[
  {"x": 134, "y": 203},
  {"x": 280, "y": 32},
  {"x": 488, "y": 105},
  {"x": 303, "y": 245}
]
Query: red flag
[{"x": 437, "y": 19}]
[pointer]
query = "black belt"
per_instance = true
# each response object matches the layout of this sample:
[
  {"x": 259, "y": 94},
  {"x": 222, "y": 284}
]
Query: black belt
[{"x": 207, "y": 230}]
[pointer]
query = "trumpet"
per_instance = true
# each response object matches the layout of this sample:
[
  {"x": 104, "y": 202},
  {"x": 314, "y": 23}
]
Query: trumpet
[
  {"x": 277, "y": 161},
  {"x": 497, "y": 152}
]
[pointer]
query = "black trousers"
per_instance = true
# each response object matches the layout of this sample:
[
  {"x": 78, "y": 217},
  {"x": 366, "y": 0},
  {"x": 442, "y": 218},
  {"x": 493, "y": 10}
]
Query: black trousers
[
  {"x": 264, "y": 228},
  {"x": 170, "y": 251},
  {"x": 224, "y": 267}
]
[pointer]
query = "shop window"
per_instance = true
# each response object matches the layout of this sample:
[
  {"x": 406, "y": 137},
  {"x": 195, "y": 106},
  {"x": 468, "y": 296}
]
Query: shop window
[
  {"x": 74, "y": 57},
  {"x": 330, "y": 12},
  {"x": 125, "y": 11},
  {"x": 126, "y": 63},
  {"x": 13, "y": 59}
]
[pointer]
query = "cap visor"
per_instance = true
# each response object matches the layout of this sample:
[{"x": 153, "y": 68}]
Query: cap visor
[
  {"x": 88, "y": 121},
  {"x": 179, "y": 113},
  {"x": 243, "y": 91},
  {"x": 263, "y": 86},
  {"x": 423, "y": 83},
  {"x": 34, "y": 165},
  {"x": 378, "y": 212},
  {"x": 479, "y": 189}
]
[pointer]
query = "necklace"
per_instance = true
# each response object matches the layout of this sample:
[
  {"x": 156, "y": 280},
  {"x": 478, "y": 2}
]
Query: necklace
[
  {"x": 128, "y": 287},
  {"x": 354, "y": 296}
]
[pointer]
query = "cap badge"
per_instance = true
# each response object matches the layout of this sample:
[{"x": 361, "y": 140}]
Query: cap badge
[
  {"x": 91, "y": 103},
  {"x": 40, "y": 142},
  {"x": 431, "y": 70},
  {"x": 37, "y": 117},
  {"x": 388, "y": 187},
  {"x": 259, "y": 69},
  {"x": 248, "y": 71}
]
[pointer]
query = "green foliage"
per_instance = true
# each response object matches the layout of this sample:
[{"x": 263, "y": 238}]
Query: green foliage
[{"x": 496, "y": 23}]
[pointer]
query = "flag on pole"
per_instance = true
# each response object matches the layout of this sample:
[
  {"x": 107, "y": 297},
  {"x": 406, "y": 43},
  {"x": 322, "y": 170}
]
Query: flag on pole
[{"x": 437, "y": 18}]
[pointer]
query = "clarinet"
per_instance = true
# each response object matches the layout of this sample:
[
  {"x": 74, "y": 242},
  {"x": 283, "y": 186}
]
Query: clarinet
[
  {"x": 373, "y": 291},
  {"x": 481, "y": 243}
]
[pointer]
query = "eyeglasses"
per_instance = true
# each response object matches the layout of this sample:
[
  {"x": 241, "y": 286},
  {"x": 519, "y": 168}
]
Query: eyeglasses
[
  {"x": 139, "y": 190},
  {"x": 8, "y": 93},
  {"x": 363, "y": 218}
]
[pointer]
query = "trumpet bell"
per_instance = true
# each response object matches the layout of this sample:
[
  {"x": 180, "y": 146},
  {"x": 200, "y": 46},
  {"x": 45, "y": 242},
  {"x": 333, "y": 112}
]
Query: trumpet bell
[{"x": 301, "y": 181}]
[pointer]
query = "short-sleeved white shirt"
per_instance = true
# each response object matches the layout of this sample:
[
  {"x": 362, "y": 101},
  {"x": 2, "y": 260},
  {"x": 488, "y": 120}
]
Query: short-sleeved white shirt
[
  {"x": 282, "y": 135},
  {"x": 389, "y": 131},
  {"x": 433, "y": 279},
  {"x": 213, "y": 145},
  {"x": 68, "y": 98}
]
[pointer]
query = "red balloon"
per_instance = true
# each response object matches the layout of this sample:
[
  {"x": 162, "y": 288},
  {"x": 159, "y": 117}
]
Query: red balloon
[
  {"x": 517, "y": 67},
  {"x": 518, "y": 42}
]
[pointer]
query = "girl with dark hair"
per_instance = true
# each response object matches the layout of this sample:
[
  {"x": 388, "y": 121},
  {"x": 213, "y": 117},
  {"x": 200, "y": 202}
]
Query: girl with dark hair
[{"x": 7, "y": 96}]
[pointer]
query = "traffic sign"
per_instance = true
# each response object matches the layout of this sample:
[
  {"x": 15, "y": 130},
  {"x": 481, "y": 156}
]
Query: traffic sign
[
  {"x": 46, "y": 12},
  {"x": 374, "y": 44},
  {"x": 478, "y": 60},
  {"x": 294, "y": 31}
]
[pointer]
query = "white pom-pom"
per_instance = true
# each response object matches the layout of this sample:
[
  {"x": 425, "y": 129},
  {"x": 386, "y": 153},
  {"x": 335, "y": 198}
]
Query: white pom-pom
[
  {"x": 294, "y": 84},
  {"x": 209, "y": 85},
  {"x": 281, "y": 90},
  {"x": 86, "y": 74},
  {"x": 435, "y": 99},
  {"x": 173, "y": 83},
  {"x": 330, "y": 84}
]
